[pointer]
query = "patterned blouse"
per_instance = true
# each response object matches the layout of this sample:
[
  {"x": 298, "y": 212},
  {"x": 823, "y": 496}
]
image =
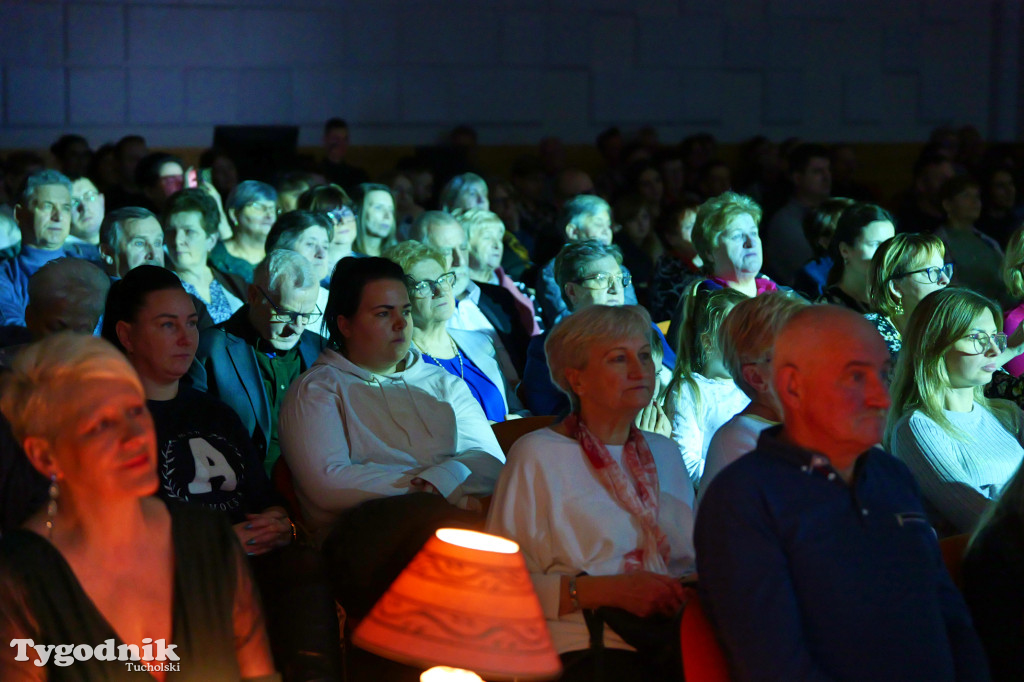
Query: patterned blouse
[{"x": 889, "y": 333}]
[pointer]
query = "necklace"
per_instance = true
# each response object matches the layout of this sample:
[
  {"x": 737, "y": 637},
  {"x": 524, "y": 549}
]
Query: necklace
[{"x": 434, "y": 361}]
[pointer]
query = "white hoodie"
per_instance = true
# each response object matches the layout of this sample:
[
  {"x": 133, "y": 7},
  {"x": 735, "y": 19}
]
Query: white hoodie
[{"x": 350, "y": 435}]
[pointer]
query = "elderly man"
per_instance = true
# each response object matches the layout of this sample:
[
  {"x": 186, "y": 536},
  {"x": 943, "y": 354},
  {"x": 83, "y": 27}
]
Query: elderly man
[
  {"x": 584, "y": 217},
  {"x": 483, "y": 307},
  {"x": 817, "y": 561},
  {"x": 251, "y": 359},
  {"x": 44, "y": 216},
  {"x": 130, "y": 237}
]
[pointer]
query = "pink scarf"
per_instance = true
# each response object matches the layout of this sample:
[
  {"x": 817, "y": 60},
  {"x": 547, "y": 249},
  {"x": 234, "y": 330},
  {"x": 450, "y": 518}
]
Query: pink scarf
[{"x": 640, "y": 500}]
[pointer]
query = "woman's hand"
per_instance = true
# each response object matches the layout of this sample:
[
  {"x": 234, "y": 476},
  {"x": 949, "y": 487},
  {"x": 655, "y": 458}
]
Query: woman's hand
[
  {"x": 265, "y": 531},
  {"x": 224, "y": 228},
  {"x": 642, "y": 593},
  {"x": 654, "y": 420},
  {"x": 422, "y": 486}
]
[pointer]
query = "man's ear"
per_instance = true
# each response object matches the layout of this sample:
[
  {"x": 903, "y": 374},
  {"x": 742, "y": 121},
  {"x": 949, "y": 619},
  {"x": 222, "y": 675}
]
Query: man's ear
[
  {"x": 123, "y": 331},
  {"x": 40, "y": 453},
  {"x": 788, "y": 386},
  {"x": 572, "y": 233},
  {"x": 570, "y": 294},
  {"x": 231, "y": 216}
]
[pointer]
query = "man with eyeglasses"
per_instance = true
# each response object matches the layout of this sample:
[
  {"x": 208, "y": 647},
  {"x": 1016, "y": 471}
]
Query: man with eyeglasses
[
  {"x": 43, "y": 214},
  {"x": 88, "y": 207},
  {"x": 251, "y": 359}
]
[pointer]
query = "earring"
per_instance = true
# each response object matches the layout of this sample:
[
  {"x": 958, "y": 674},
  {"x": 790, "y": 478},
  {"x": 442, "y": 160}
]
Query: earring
[
  {"x": 51, "y": 507},
  {"x": 899, "y": 308}
]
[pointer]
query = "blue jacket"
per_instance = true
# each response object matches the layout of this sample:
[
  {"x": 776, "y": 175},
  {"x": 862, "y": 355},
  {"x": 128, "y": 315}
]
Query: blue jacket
[
  {"x": 226, "y": 367},
  {"x": 807, "y": 578}
]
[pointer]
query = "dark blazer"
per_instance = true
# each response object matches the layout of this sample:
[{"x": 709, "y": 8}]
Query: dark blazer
[
  {"x": 499, "y": 307},
  {"x": 225, "y": 366}
]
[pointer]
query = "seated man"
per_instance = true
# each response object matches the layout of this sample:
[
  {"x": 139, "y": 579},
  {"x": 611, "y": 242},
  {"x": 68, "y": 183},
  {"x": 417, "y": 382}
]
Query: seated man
[
  {"x": 817, "y": 561},
  {"x": 129, "y": 237},
  {"x": 487, "y": 308},
  {"x": 87, "y": 210},
  {"x": 43, "y": 213},
  {"x": 587, "y": 272},
  {"x": 250, "y": 359},
  {"x": 584, "y": 217}
]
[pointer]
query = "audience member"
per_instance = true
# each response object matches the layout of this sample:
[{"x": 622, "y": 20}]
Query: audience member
[
  {"x": 903, "y": 271},
  {"x": 961, "y": 446},
  {"x": 289, "y": 187},
  {"x": 309, "y": 234},
  {"x": 816, "y": 560},
  {"x": 702, "y": 395},
  {"x": 602, "y": 512},
  {"x": 859, "y": 231},
  {"x": 130, "y": 237},
  {"x": 844, "y": 165},
  {"x": 406, "y": 208},
  {"x": 1000, "y": 215},
  {"x": 515, "y": 259},
  {"x": 191, "y": 222},
  {"x": 223, "y": 171},
  {"x": 977, "y": 256},
  {"x": 72, "y": 154},
  {"x": 158, "y": 176},
  {"x": 332, "y": 200},
  {"x": 819, "y": 226},
  {"x": 921, "y": 207},
  {"x": 465, "y": 191},
  {"x": 128, "y": 151},
  {"x": 43, "y": 213},
  {"x": 679, "y": 265},
  {"x": 79, "y": 411},
  {"x": 1013, "y": 278},
  {"x": 714, "y": 178},
  {"x": 334, "y": 167},
  {"x": 252, "y": 210},
  {"x": 375, "y": 216},
  {"x": 251, "y": 359},
  {"x": 785, "y": 246},
  {"x": 87, "y": 210},
  {"x": 469, "y": 355},
  {"x": 639, "y": 244},
  {"x": 10, "y": 237},
  {"x": 17, "y": 167}
]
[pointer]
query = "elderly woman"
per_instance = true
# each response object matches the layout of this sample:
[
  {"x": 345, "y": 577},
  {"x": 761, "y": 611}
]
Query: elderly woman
[
  {"x": 191, "y": 226},
  {"x": 375, "y": 213},
  {"x": 334, "y": 201},
  {"x": 469, "y": 355},
  {"x": 602, "y": 511},
  {"x": 465, "y": 191},
  {"x": 309, "y": 234},
  {"x": 904, "y": 270},
  {"x": 486, "y": 249},
  {"x": 252, "y": 210},
  {"x": 105, "y": 560},
  {"x": 859, "y": 231}
]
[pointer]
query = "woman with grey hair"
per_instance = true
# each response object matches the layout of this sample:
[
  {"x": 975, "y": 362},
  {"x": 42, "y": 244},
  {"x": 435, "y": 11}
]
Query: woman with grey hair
[
  {"x": 465, "y": 191},
  {"x": 601, "y": 510},
  {"x": 309, "y": 234},
  {"x": 252, "y": 210}
]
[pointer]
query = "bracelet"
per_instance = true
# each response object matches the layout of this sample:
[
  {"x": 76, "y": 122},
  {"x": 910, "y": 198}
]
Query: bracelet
[{"x": 574, "y": 597}]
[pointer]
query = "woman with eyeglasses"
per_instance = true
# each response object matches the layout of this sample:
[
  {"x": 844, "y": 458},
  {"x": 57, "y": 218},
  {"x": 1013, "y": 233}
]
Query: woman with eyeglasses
[
  {"x": 252, "y": 210},
  {"x": 469, "y": 355},
  {"x": 903, "y": 271},
  {"x": 335, "y": 202},
  {"x": 961, "y": 447},
  {"x": 191, "y": 225},
  {"x": 310, "y": 235}
]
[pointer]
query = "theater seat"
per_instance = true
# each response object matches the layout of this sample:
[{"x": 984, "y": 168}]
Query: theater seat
[
  {"x": 510, "y": 430},
  {"x": 703, "y": 660}
]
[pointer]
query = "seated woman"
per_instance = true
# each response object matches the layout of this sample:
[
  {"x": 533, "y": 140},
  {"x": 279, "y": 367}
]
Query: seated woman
[
  {"x": 77, "y": 572},
  {"x": 961, "y": 447},
  {"x": 207, "y": 458},
  {"x": 993, "y": 582},
  {"x": 702, "y": 395},
  {"x": 469, "y": 355},
  {"x": 745, "y": 340},
  {"x": 465, "y": 191},
  {"x": 679, "y": 265},
  {"x": 191, "y": 224},
  {"x": 859, "y": 231},
  {"x": 309, "y": 234},
  {"x": 602, "y": 511},
  {"x": 334, "y": 201},
  {"x": 640, "y": 246},
  {"x": 819, "y": 226},
  {"x": 252, "y": 210},
  {"x": 486, "y": 235},
  {"x": 903, "y": 271},
  {"x": 375, "y": 218}
]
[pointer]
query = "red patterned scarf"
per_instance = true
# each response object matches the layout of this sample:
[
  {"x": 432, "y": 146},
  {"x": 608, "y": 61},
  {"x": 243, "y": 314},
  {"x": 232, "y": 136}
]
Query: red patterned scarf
[{"x": 640, "y": 500}]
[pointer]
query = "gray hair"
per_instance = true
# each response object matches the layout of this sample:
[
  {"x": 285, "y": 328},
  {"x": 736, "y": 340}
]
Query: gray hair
[
  {"x": 568, "y": 345},
  {"x": 283, "y": 266},
  {"x": 247, "y": 192},
  {"x": 41, "y": 179},
  {"x": 748, "y": 332},
  {"x": 575, "y": 256},
  {"x": 421, "y": 226},
  {"x": 112, "y": 229},
  {"x": 475, "y": 220},
  {"x": 582, "y": 206},
  {"x": 456, "y": 186}
]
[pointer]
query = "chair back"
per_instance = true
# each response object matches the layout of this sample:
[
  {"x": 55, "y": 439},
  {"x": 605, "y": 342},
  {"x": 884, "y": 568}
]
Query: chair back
[
  {"x": 510, "y": 430},
  {"x": 953, "y": 549},
  {"x": 703, "y": 659}
]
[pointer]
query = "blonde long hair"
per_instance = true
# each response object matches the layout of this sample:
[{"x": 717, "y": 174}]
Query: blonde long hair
[{"x": 941, "y": 319}]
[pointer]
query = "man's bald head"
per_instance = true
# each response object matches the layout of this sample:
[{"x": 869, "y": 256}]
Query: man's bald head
[
  {"x": 67, "y": 293},
  {"x": 830, "y": 374}
]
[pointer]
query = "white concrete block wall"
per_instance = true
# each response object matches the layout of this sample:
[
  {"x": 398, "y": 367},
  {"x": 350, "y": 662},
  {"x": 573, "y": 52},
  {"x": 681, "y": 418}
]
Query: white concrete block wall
[{"x": 403, "y": 71}]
